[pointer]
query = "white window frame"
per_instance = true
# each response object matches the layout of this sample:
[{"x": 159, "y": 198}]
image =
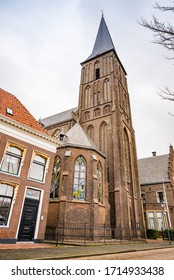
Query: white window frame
[
  {"x": 15, "y": 187},
  {"x": 47, "y": 158},
  {"x": 23, "y": 151},
  {"x": 151, "y": 219},
  {"x": 157, "y": 196}
]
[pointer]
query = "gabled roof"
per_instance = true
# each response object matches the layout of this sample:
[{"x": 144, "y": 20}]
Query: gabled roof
[
  {"x": 103, "y": 42},
  {"x": 13, "y": 109},
  {"x": 153, "y": 170},
  {"x": 77, "y": 137},
  {"x": 58, "y": 118}
]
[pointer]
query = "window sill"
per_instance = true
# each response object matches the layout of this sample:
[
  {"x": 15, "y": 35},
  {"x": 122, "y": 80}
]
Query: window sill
[
  {"x": 11, "y": 174},
  {"x": 79, "y": 201},
  {"x": 4, "y": 226},
  {"x": 37, "y": 181}
]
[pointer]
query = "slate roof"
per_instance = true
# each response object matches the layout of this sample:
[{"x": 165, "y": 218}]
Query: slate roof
[
  {"x": 153, "y": 170},
  {"x": 19, "y": 113},
  {"x": 77, "y": 137},
  {"x": 103, "y": 42},
  {"x": 58, "y": 118}
]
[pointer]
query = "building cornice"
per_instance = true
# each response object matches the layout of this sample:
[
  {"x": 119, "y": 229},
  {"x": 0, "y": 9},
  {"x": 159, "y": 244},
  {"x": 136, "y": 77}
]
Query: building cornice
[{"x": 32, "y": 132}]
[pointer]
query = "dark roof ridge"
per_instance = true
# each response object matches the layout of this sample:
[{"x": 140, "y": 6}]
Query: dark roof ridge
[{"x": 157, "y": 156}]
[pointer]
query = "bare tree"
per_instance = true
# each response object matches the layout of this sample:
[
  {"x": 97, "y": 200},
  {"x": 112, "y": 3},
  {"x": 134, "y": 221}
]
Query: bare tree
[{"x": 164, "y": 36}]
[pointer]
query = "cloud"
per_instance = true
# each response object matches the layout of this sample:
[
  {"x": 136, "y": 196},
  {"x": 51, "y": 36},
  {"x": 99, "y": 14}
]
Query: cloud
[{"x": 43, "y": 43}]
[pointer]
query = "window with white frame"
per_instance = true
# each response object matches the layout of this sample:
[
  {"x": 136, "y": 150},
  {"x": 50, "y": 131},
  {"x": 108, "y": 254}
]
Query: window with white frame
[
  {"x": 160, "y": 196},
  {"x": 12, "y": 159},
  {"x": 6, "y": 197},
  {"x": 159, "y": 220},
  {"x": 38, "y": 167},
  {"x": 151, "y": 220},
  {"x": 143, "y": 196}
]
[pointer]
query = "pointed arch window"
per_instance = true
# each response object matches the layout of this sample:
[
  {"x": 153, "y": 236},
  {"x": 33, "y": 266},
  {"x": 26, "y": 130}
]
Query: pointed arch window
[
  {"x": 55, "y": 181},
  {"x": 127, "y": 158},
  {"x": 97, "y": 112},
  {"x": 86, "y": 116},
  {"x": 87, "y": 96},
  {"x": 97, "y": 73},
  {"x": 56, "y": 133},
  {"x": 100, "y": 183},
  {"x": 103, "y": 137},
  {"x": 107, "y": 110},
  {"x": 95, "y": 103},
  {"x": 97, "y": 70},
  {"x": 79, "y": 178},
  {"x": 90, "y": 132},
  {"x": 107, "y": 96}
]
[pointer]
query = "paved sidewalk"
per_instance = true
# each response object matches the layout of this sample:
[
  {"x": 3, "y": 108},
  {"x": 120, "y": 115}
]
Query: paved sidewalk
[{"x": 28, "y": 251}]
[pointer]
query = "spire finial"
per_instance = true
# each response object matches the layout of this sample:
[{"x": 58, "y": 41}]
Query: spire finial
[{"x": 102, "y": 11}]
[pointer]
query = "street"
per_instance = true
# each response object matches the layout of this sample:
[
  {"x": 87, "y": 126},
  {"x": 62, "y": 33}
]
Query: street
[{"x": 158, "y": 254}]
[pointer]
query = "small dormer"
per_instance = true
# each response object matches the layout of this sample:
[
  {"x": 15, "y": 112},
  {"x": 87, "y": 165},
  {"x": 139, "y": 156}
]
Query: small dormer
[
  {"x": 62, "y": 137},
  {"x": 9, "y": 111}
]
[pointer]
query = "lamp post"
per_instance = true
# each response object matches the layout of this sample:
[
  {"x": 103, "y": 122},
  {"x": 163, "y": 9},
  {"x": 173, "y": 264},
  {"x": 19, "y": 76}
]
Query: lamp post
[{"x": 165, "y": 215}]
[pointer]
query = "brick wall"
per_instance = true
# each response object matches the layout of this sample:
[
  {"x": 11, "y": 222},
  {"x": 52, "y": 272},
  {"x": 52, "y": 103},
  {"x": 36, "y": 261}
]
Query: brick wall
[{"x": 22, "y": 181}]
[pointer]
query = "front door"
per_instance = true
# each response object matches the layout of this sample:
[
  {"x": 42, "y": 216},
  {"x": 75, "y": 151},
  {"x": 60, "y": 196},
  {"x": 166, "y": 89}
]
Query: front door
[{"x": 28, "y": 220}]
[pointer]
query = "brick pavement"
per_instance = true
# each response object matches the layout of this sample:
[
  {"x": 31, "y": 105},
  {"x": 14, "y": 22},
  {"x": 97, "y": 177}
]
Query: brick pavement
[{"x": 22, "y": 251}]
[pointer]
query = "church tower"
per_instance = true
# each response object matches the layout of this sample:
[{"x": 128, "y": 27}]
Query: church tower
[{"x": 105, "y": 115}]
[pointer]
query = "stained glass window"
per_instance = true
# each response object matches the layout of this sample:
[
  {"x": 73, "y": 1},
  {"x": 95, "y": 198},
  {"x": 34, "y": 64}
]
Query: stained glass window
[
  {"x": 79, "y": 178},
  {"x": 99, "y": 181},
  {"x": 54, "y": 192}
]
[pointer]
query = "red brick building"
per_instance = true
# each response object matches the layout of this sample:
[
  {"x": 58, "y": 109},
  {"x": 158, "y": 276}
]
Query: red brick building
[
  {"x": 104, "y": 114},
  {"x": 79, "y": 192},
  {"x": 26, "y": 161},
  {"x": 157, "y": 189}
]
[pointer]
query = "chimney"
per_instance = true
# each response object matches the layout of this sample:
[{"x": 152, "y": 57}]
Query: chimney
[{"x": 154, "y": 154}]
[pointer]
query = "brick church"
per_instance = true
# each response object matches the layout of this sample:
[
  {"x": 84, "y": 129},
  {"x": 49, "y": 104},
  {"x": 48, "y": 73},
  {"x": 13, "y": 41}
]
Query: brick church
[{"x": 95, "y": 176}]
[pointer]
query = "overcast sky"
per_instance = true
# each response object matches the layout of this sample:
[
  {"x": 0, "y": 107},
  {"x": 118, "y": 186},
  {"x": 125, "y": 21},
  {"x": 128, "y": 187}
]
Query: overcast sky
[{"x": 43, "y": 42}]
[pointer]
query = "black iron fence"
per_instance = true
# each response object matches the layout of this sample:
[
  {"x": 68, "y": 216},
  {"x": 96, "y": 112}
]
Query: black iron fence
[{"x": 85, "y": 235}]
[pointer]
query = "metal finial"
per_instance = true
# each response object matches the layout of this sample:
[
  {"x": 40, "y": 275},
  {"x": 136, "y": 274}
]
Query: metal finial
[{"x": 102, "y": 11}]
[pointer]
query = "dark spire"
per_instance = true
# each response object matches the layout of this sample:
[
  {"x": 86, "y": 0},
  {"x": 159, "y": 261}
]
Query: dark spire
[{"x": 103, "y": 42}]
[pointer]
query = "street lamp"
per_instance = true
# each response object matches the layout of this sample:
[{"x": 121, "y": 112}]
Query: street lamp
[{"x": 165, "y": 215}]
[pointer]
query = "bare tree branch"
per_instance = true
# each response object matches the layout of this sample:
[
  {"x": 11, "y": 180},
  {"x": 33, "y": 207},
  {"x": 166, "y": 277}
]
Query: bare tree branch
[
  {"x": 163, "y": 33},
  {"x": 166, "y": 94},
  {"x": 164, "y": 8},
  {"x": 164, "y": 36}
]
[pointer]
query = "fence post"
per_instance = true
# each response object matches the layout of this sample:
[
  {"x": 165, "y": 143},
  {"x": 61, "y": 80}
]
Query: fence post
[
  {"x": 104, "y": 233},
  {"x": 63, "y": 232},
  {"x": 57, "y": 241},
  {"x": 85, "y": 234}
]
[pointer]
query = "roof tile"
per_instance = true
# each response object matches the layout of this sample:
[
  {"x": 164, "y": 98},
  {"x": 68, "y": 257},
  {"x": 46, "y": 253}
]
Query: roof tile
[
  {"x": 18, "y": 110},
  {"x": 153, "y": 170}
]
